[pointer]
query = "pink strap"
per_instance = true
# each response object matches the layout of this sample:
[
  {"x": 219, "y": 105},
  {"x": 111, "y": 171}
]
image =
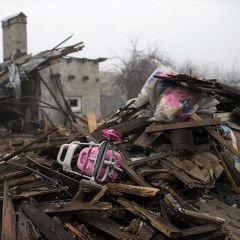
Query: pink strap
[{"x": 112, "y": 134}]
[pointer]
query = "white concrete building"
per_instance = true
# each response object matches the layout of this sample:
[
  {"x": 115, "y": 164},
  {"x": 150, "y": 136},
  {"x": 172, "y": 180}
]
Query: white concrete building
[{"x": 79, "y": 78}]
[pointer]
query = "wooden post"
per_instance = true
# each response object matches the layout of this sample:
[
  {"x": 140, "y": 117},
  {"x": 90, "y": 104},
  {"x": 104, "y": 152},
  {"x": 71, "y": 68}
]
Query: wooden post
[
  {"x": 8, "y": 217},
  {"x": 92, "y": 123}
]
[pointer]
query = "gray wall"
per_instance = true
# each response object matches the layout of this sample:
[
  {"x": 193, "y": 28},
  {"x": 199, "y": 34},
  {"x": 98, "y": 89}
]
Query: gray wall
[
  {"x": 112, "y": 95},
  {"x": 73, "y": 73},
  {"x": 14, "y": 36}
]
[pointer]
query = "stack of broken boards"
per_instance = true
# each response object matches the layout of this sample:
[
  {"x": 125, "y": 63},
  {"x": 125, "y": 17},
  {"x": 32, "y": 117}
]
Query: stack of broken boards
[{"x": 160, "y": 195}]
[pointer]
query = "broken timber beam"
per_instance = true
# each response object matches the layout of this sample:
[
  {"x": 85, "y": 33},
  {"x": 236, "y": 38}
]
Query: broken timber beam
[
  {"x": 133, "y": 175},
  {"x": 215, "y": 135},
  {"x": 126, "y": 128},
  {"x": 146, "y": 160},
  {"x": 130, "y": 171},
  {"x": 106, "y": 225},
  {"x": 179, "y": 125},
  {"x": 70, "y": 183},
  {"x": 227, "y": 145},
  {"x": 118, "y": 188},
  {"x": 145, "y": 140},
  {"x": 99, "y": 195},
  {"x": 8, "y": 217},
  {"x": 24, "y": 230},
  {"x": 156, "y": 221},
  {"x": 208, "y": 228},
  {"x": 204, "y": 217},
  {"x": 75, "y": 206},
  {"x": 50, "y": 229},
  {"x": 134, "y": 190},
  {"x": 21, "y": 149},
  {"x": 75, "y": 231},
  {"x": 92, "y": 122}
]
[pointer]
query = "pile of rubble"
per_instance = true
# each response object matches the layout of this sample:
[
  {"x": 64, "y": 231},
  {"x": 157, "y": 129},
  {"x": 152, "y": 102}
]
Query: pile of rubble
[{"x": 125, "y": 177}]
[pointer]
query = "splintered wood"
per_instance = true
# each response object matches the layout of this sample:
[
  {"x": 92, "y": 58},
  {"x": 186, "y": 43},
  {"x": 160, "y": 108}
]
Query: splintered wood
[
  {"x": 180, "y": 125},
  {"x": 92, "y": 123}
]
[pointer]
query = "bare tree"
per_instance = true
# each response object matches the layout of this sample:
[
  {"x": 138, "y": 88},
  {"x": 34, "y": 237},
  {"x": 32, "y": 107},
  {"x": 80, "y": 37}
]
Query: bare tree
[
  {"x": 229, "y": 76},
  {"x": 138, "y": 66},
  {"x": 188, "y": 67},
  {"x": 134, "y": 69}
]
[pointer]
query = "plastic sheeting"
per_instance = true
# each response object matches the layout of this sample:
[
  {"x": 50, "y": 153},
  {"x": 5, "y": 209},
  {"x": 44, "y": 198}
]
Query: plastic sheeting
[
  {"x": 14, "y": 79},
  {"x": 169, "y": 101}
]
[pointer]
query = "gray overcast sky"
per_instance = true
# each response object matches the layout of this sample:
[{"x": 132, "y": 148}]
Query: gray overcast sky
[{"x": 205, "y": 31}]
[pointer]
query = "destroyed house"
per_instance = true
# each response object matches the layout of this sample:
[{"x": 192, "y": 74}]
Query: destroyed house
[
  {"x": 73, "y": 81},
  {"x": 79, "y": 78}
]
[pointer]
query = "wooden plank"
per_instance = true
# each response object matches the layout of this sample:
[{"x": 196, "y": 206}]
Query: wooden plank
[
  {"x": 226, "y": 144},
  {"x": 133, "y": 175},
  {"x": 131, "y": 126},
  {"x": 99, "y": 195},
  {"x": 229, "y": 169},
  {"x": 50, "y": 229},
  {"x": 199, "y": 230},
  {"x": 160, "y": 176},
  {"x": 38, "y": 192},
  {"x": 146, "y": 160},
  {"x": 8, "y": 217},
  {"x": 117, "y": 188},
  {"x": 204, "y": 217},
  {"x": 71, "y": 183},
  {"x": 217, "y": 136},
  {"x": 231, "y": 166},
  {"x": 156, "y": 221},
  {"x": 183, "y": 174},
  {"x": 130, "y": 171},
  {"x": 106, "y": 225},
  {"x": 13, "y": 175},
  {"x": 30, "y": 186},
  {"x": 92, "y": 122},
  {"x": 126, "y": 128},
  {"x": 180, "y": 125},
  {"x": 134, "y": 190},
  {"x": 145, "y": 139},
  {"x": 215, "y": 207},
  {"x": 21, "y": 180},
  {"x": 23, "y": 227},
  {"x": 147, "y": 172},
  {"x": 219, "y": 235},
  {"x": 75, "y": 206},
  {"x": 7, "y": 167},
  {"x": 21, "y": 149},
  {"x": 145, "y": 230},
  {"x": 75, "y": 231},
  {"x": 183, "y": 202}
]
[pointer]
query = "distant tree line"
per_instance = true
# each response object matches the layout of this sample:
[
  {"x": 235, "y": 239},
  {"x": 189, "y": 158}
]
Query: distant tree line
[{"x": 136, "y": 67}]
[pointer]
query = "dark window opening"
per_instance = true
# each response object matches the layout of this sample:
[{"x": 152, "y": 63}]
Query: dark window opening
[
  {"x": 70, "y": 77},
  {"x": 85, "y": 78},
  {"x": 73, "y": 102}
]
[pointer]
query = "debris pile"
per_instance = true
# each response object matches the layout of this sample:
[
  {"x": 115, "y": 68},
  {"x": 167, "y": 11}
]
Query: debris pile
[{"x": 174, "y": 180}]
